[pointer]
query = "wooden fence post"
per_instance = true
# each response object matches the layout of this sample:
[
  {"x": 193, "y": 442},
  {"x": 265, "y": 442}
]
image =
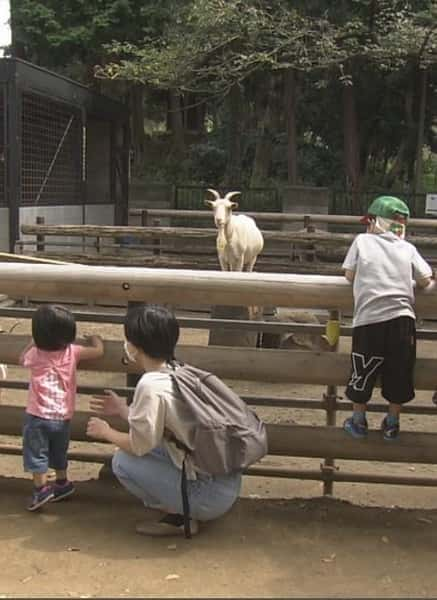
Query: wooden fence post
[
  {"x": 156, "y": 242},
  {"x": 144, "y": 218},
  {"x": 330, "y": 399},
  {"x": 40, "y": 238}
]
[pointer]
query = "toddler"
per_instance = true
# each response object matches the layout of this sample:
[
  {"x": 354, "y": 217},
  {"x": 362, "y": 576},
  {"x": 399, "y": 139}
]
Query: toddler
[{"x": 52, "y": 358}]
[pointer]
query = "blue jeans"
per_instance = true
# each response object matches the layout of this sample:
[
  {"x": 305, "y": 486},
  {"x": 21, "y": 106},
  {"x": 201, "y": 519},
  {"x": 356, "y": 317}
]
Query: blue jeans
[
  {"x": 45, "y": 444},
  {"x": 156, "y": 481}
]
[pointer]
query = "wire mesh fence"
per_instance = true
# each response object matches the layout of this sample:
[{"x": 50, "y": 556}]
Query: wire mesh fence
[{"x": 52, "y": 151}]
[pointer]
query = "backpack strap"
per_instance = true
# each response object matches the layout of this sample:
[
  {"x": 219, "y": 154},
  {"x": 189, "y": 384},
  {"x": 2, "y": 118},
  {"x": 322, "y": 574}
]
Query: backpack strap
[{"x": 185, "y": 502}]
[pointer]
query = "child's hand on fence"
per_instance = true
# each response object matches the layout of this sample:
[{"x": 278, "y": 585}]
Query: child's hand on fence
[
  {"x": 92, "y": 339},
  {"x": 98, "y": 429},
  {"x": 109, "y": 404}
]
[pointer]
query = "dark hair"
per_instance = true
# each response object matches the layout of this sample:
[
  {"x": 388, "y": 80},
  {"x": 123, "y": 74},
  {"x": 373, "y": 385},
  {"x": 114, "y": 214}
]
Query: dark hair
[
  {"x": 53, "y": 327},
  {"x": 152, "y": 328}
]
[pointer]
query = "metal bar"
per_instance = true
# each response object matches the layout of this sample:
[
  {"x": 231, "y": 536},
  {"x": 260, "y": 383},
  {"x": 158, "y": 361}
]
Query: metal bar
[
  {"x": 202, "y": 323},
  {"x": 14, "y": 159},
  {"x": 252, "y": 400},
  {"x": 78, "y": 455},
  {"x": 260, "y": 470},
  {"x": 339, "y": 477},
  {"x": 55, "y": 156}
]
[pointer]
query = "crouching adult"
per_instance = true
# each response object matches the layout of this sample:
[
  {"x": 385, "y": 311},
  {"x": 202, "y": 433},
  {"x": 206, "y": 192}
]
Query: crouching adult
[{"x": 148, "y": 463}]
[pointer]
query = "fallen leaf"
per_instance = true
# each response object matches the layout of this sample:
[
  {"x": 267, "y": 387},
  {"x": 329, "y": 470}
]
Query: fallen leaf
[
  {"x": 424, "y": 520},
  {"x": 172, "y": 576},
  {"x": 329, "y": 559},
  {"x": 385, "y": 539}
]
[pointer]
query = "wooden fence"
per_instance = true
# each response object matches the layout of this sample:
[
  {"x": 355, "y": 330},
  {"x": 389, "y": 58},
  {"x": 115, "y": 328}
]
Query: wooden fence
[
  {"x": 305, "y": 251},
  {"x": 66, "y": 283}
]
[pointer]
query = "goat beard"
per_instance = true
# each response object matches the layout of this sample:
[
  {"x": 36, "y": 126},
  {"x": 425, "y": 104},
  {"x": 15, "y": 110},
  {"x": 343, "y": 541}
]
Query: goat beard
[{"x": 221, "y": 239}]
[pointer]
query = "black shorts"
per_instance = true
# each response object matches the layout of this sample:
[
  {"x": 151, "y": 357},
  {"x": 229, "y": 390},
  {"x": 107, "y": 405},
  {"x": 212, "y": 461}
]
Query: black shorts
[{"x": 387, "y": 349}]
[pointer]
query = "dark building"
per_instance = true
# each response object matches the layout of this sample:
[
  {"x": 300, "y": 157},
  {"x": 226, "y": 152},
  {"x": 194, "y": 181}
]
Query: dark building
[{"x": 64, "y": 152}]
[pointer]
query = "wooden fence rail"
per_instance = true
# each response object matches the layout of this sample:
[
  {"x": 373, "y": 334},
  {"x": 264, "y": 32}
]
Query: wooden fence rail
[
  {"x": 189, "y": 287},
  {"x": 270, "y": 366},
  {"x": 249, "y": 364},
  {"x": 273, "y": 217},
  {"x": 107, "y": 231}
]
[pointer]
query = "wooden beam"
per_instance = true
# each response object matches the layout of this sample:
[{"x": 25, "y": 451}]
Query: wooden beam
[
  {"x": 287, "y": 440},
  {"x": 183, "y": 262},
  {"x": 105, "y": 231},
  {"x": 276, "y": 217},
  {"x": 271, "y": 366},
  {"x": 22, "y": 258},
  {"x": 188, "y": 286}
]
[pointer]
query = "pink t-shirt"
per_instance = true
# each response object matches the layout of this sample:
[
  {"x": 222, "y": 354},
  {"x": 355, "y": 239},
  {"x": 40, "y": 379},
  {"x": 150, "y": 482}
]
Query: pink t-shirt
[{"x": 52, "y": 388}]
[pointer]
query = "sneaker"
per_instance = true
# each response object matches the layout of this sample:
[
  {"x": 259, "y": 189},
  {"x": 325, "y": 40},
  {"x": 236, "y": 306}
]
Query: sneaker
[
  {"x": 170, "y": 525},
  {"x": 390, "y": 432},
  {"x": 40, "y": 497},
  {"x": 356, "y": 430},
  {"x": 60, "y": 492}
]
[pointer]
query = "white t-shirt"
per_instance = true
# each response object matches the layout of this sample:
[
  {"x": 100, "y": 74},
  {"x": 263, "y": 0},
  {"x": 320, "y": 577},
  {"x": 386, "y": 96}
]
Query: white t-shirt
[
  {"x": 157, "y": 411},
  {"x": 384, "y": 267}
]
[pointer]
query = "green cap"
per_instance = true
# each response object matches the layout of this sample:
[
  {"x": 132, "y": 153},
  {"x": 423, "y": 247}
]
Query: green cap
[{"x": 387, "y": 207}]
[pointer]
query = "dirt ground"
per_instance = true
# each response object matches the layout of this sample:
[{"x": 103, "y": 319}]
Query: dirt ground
[{"x": 282, "y": 539}]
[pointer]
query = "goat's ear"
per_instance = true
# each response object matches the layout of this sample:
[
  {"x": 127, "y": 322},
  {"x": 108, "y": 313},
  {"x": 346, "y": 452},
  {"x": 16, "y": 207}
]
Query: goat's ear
[
  {"x": 234, "y": 205},
  {"x": 209, "y": 203}
]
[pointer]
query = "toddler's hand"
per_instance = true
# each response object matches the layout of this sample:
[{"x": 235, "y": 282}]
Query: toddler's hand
[
  {"x": 98, "y": 429},
  {"x": 93, "y": 338}
]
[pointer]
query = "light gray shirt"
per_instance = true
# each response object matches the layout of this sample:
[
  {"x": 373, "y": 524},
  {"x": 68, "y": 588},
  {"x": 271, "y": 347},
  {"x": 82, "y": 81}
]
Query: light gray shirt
[
  {"x": 385, "y": 267},
  {"x": 157, "y": 412}
]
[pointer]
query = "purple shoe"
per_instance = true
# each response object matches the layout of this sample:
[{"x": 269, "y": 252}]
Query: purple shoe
[
  {"x": 62, "y": 491},
  {"x": 39, "y": 497},
  {"x": 356, "y": 430}
]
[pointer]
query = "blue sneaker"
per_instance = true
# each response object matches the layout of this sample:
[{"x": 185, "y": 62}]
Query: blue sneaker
[
  {"x": 356, "y": 430},
  {"x": 62, "y": 491},
  {"x": 39, "y": 497},
  {"x": 390, "y": 431}
]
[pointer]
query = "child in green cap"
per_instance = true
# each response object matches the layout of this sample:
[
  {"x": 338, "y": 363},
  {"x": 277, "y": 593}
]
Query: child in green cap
[{"x": 381, "y": 265}]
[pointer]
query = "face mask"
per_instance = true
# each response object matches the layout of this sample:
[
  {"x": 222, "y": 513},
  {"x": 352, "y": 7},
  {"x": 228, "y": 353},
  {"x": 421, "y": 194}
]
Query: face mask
[
  {"x": 130, "y": 356},
  {"x": 381, "y": 225}
]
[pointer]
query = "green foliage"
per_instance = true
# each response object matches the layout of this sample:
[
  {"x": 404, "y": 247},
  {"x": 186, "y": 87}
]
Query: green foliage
[{"x": 203, "y": 48}]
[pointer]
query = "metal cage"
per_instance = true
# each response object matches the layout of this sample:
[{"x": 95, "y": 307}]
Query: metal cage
[{"x": 61, "y": 146}]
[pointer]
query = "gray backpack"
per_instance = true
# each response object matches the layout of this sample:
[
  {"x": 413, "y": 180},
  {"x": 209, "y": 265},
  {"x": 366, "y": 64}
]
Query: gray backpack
[{"x": 228, "y": 436}]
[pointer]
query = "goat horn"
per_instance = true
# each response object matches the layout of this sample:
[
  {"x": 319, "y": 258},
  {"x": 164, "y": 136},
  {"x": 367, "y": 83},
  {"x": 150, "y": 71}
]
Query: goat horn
[
  {"x": 214, "y": 193},
  {"x": 229, "y": 195}
]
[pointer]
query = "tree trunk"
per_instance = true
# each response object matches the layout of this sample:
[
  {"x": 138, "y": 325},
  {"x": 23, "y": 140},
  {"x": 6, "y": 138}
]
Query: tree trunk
[
  {"x": 194, "y": 114},
  {"x": 137, "y": 119},
  {"x": 418, "y": 174},
  {"x": 263, "y": 150},
  {"x": 176, "y": 123},
  {"x": 400, "y": 164},
  {"x": 290, "y": 112},
  {"x": 351, "y": 145},
  {"x": 233, "y": 168}
]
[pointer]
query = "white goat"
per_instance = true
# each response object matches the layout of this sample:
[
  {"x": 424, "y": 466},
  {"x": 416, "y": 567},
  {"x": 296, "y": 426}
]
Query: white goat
[{"x": 239, "y": 241}]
